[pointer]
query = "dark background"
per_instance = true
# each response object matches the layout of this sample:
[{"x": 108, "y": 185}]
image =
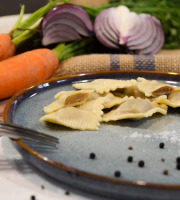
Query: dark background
[{"x": 11, "y": 7}]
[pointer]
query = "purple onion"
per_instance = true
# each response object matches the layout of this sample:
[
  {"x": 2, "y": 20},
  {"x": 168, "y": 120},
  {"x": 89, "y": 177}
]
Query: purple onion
[
  {"x": 103, "y": 33},
  {"x": 157, "y": 42},
  {"x": 65, "y": 23},
  {"x": 140, "y": 33}
]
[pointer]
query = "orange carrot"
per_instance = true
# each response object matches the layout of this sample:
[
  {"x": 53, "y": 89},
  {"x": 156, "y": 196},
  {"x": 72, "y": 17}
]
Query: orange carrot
[
  {"x": 7, "y": 48},
  {"x": 26, "y": 69},
  {"x": 22, "y": 32},
  {"x": 32, "y": 67}
]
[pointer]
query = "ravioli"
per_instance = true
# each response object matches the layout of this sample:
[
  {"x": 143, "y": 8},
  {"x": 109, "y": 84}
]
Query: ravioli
[
  {"x": 68, "y": 98},
  {"x": 94, "y": 95},
  {"x": 105, "y": 85},
  {"x": 104, "y": 100},
  {"x": 97, "y": 105},
  {"x": 172, "y": 100},
  {"x": 154, "y": 88},
  {"x": 114, "y": 100},
  {"x": 55, "y": 105},
  {"x": 135, "y": 109},
  {"x": 131, "y": 91},
  {"x": 74, "y": 118},
  {"x": 175, "y": 96}
]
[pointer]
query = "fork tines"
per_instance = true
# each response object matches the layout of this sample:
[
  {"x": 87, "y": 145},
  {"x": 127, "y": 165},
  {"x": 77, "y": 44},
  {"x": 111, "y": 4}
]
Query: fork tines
[{"x": 19, "y": 132}]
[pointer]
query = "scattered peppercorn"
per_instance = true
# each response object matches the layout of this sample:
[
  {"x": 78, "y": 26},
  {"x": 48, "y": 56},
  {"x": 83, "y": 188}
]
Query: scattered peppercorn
[
  {"x": 130, "y": 147},
  {"x": 76, "y": 173},
  {"x": 92, "y": 155},
  {"x": 165, "y": 172},
  {"x": 69, "y": 172},
  {"x": 67, "y": 192},
  {"x": 162, "y": 159},
  {"x": 33, "y": 197},
  {"x": 117, "y": 173},
  {"x": 161, "y": 145},
  {"x": 42, "y": 187},
  {"x": 178, "y": 159},
  {"x": 141, "y": 163},
  {"x": 130, "y": 159},
  {"x": 178, "y": 166}
]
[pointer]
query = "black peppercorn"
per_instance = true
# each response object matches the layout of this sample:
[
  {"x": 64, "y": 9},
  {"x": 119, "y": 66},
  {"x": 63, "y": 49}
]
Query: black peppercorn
[
  {"x": 161, "y": 145},
  {"x": 178, "y": 166},
  {"x": 33, "y": 197},
  {"x": 117, "y": 173},
  {"x": 92, "y": 155},
  {"x": 162, "y": 159},
  {"x": 69, "y": 172},
  {"x": 178, "y": 159},
  {"x": 67, "y": 193},
  {"x": 130, "y": 159},
  {"x": 141, "y": 163}
]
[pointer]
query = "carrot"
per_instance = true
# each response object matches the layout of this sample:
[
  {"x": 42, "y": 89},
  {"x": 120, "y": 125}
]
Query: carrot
[
  {"x": 7, "y": 48},
  {"x": 32, "y": 67},
  {"x": 26, "y": 69},
  {"x": 22, "y": 32}
]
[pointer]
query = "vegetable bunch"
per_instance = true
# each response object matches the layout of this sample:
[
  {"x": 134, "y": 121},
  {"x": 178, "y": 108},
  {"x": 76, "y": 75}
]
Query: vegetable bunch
[
  {"x": 31, "y": 67},
  {"x": 115, "y": 28},
  {"x": 164, "y": 13},
  {"x": 62, "y": 34}
]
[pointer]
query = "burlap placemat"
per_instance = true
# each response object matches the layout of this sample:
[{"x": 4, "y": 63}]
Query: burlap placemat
[{"x": 164, "y": 61}]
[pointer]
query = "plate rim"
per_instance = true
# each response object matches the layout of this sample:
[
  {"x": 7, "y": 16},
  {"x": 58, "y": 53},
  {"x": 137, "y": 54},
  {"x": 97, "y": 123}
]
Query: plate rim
[{"x": 72, "y": 169}]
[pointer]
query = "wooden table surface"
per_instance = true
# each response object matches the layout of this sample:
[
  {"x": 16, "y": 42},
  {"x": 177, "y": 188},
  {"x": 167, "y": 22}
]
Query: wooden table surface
[{"x": 2, "y": 106}]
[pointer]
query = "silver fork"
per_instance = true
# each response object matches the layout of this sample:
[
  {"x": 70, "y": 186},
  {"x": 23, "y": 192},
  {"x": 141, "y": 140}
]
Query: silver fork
[{"x": 18, "y": 132}]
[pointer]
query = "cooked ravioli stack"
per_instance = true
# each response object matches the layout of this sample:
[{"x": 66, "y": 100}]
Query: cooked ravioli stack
[{"x": 104, "y": 100}]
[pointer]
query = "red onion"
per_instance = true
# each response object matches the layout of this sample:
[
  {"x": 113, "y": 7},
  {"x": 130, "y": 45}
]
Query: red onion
[
  {"x": 158, "y": 41},
  {"x": 65, "y": 23},
  {"x": 103, "y": 31},
  {"x": 118, "y": 27}
]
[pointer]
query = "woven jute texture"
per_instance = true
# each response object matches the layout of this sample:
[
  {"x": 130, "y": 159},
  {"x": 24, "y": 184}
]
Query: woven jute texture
[{"x": 164, "y": 61}]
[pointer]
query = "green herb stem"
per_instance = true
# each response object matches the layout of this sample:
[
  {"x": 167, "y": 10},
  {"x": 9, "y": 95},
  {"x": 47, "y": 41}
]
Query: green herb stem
[
  {"x": 64, "y": 51},
  {"x": 19, "y": 18},
  {"x": 32, "y": 19},
  {"x": 25, "y": 36}
]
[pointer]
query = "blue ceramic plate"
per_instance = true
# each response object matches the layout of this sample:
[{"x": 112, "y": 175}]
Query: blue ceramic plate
[{"x": 70, "y": 162}]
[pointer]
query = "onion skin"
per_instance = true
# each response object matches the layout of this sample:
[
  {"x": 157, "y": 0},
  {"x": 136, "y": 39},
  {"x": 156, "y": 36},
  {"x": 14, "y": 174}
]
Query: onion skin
[
  {"x": 67, "y": 19},
  {"x": 64, "y": 34},
  {"x": 104, "y": 36},
  {"x": 118, "y": 27},
  {"x": 157, "y": 42},
  {"x": 65, "y": 23},
  {"x": 148, "y": 37}
]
